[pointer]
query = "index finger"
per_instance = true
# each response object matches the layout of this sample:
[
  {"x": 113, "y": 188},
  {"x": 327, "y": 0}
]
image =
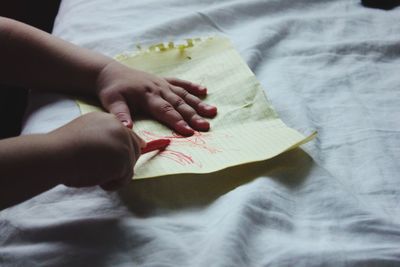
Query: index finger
[{"x": 193, "y": 88}]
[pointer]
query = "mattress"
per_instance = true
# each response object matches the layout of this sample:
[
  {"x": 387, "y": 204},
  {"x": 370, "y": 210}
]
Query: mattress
[{"x": 329, "y": 66}]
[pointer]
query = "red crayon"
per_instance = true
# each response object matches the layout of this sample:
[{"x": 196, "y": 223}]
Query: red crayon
[{"x": 159, "y": 144}]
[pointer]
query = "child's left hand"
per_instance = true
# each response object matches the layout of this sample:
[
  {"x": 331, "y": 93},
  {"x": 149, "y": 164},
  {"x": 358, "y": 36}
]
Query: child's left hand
[{"x": 124, "y": 91}]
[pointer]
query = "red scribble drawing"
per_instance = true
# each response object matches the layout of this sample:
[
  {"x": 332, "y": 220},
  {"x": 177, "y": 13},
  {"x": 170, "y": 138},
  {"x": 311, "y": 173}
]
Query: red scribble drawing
[
  {"x": 179, "y": 157},
  {"x": 197, "y": 140}
]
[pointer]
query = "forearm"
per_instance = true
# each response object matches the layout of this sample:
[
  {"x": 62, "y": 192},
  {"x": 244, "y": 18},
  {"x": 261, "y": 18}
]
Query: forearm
[
  {"x": 28, "y": 166},
  {"x": 38, "y": 60}
]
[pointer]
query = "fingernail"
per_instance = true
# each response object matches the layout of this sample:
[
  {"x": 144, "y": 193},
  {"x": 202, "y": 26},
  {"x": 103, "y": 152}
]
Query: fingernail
[
  {"x": 206, "y": 106},
  {"x": 212, "y": 108},
  {"x": 203, "y": 90},
  {"x": 127, "y": 124},
  {"x": 198, "y": 119},
  {"x": 186, "y": 126},
  {"x": 183, "y": 128},
  {"x": 202, "y": 125}
]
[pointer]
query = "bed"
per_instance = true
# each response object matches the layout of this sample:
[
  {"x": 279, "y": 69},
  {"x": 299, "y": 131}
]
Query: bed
[{"x": 329, "y": 66}]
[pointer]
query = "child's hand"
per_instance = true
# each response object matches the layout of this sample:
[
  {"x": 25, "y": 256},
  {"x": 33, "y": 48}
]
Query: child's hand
[
  {"x": 124, "y": 91},
  {"x": 96, "y": 149}
]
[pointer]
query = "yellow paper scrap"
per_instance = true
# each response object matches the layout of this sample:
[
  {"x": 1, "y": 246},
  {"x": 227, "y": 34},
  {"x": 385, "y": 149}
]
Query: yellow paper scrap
[{"x": 246, "y": 129}]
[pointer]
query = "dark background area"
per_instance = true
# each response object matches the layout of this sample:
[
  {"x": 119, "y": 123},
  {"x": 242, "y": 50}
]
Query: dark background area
[
  {"x": 381, "y": 4},
  {"x": 13, "y": 100}
]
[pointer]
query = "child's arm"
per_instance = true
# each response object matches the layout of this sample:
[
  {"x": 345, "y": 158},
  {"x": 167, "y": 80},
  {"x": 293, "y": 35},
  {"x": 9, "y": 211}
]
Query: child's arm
[
  {"x": 95, "y": 149},
  {"x": 34, "y": 59}
]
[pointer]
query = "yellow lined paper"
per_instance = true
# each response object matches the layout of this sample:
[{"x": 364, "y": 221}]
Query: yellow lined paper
[{"x": 246, "y": 128}]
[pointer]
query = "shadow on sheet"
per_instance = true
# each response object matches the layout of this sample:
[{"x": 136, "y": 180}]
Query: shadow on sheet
[{"x": 197, "y": 190}]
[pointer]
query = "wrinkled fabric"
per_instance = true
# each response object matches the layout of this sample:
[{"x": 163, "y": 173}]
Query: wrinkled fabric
[{"x": 330, "y": 66}]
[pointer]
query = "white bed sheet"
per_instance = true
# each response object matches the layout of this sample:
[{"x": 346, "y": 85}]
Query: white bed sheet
[{"x": 331, "y": 66}]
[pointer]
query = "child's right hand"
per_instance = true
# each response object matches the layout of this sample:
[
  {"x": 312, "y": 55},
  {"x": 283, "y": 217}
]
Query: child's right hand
[{"x": 96, "y": 149}]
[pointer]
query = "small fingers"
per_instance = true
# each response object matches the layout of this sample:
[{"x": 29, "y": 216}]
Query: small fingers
[
  {"x": 192, "y": 88},
  {"x": 166, "y": 113},
  {"x": 202, "y": 108},
  {"x": 188, "y": 113}
]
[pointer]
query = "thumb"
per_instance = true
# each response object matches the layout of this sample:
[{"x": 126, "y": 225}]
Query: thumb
[
  {"x": 138, "y": 144},
  {"x": 138, "y": 140},
  {"x": 117, "y": 105}
]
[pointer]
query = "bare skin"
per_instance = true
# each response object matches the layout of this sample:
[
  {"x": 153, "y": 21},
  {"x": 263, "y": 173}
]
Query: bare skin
[{"x": 95, "y": 149}]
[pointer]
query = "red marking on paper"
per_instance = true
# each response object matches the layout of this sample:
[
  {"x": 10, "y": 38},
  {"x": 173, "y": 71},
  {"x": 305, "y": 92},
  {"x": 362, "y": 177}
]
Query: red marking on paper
[{"x": 197, "y": 140}]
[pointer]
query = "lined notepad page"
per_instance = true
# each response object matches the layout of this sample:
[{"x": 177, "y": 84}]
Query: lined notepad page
[{"x": 246, "y": 129}]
